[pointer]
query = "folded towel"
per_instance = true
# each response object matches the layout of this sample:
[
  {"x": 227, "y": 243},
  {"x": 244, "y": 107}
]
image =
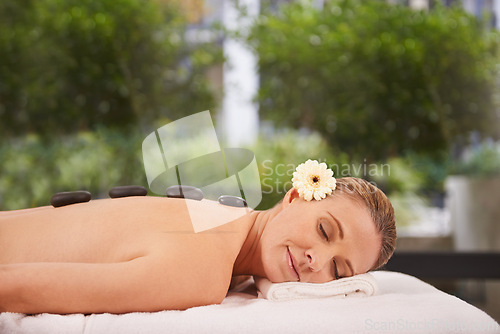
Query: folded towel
[{"x": 355, "y": 286}]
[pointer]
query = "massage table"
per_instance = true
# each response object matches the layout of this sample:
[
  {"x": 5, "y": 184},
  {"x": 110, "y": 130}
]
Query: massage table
[{"x": 403, "y": 304}]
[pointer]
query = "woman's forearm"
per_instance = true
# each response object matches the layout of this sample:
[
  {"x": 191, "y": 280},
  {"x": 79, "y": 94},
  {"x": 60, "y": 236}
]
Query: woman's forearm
[
  {"x": 11, "y": 294},
  {"x": 66, "y": 287},
  {"x": 141, "y": 285}
]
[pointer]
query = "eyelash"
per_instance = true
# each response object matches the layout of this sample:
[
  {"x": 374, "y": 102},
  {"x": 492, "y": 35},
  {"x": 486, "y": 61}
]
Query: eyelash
[
  {"x": 335, "y": 270},
  {"x": 323, "y": 232}
]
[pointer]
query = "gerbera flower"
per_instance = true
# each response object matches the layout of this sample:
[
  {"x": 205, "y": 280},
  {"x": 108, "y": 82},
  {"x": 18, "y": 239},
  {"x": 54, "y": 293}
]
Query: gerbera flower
[{"x": 313, "y": 180}]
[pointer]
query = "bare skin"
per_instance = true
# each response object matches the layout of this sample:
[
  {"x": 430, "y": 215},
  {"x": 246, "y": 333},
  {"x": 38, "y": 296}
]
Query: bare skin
[
  {"x": 141, "y": 254},
  {"x": 121, "y": 255}
]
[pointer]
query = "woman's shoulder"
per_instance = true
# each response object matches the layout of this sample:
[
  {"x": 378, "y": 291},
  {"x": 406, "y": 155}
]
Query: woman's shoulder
[
  {"x": 210, "y": 251},
  {"x": 197, "y": 265}
]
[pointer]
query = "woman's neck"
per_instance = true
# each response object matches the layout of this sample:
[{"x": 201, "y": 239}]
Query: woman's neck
[{"x": 249, "y": 261}]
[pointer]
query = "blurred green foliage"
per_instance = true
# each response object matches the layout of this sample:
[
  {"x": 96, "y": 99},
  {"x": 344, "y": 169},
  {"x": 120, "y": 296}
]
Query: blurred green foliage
[
  {"x": 69, "y": 65},
  {"x": 374, "y": 82},
  {"x": 279, "y": 154},
  {"x": 33, "y": 168},
  {"x": 404, "y": 179},
  {"x": 378, "y": 80},
  {"x": 480, "y": 161}
]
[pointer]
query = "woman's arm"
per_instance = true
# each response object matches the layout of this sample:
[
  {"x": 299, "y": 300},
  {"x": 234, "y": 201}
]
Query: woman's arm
[{"x": 142, "y": 284}]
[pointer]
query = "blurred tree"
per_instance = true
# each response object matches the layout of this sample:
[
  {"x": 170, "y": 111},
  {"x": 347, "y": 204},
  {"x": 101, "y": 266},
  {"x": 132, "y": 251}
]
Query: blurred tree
[
  {"x": 17, "y": 34},
  {"x": 377, "y": 79},
  {"x": 67, "y": 65}
]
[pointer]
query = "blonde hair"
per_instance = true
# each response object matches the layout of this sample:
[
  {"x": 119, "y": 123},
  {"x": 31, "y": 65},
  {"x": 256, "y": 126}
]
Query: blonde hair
[{"x": 381, "y": 211}]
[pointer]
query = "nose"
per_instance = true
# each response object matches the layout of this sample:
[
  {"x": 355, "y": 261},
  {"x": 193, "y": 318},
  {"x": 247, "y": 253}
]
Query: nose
[
  {"x": 316, "y": 269},
  {"x": 316, "y": 260}
]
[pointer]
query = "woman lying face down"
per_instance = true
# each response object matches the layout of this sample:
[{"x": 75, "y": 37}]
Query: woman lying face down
[{"x": 141, "y": 253}]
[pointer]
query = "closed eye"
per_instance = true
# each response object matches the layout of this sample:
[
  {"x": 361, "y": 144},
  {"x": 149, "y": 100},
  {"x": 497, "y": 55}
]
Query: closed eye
[
  {"x": 323, "y": 232},
  {"x": 335, "y": 270}
]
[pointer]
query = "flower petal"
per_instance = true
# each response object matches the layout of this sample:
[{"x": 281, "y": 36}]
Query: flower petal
[{"x": 313, "y": 180}]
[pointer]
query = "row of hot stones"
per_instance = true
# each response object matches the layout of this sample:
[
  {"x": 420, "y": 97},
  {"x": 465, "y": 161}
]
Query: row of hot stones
[{"x": 177, "y": 191}]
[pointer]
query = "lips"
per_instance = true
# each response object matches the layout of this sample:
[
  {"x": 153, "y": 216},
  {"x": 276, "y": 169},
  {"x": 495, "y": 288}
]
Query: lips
[{"x": 292, "y": 264}]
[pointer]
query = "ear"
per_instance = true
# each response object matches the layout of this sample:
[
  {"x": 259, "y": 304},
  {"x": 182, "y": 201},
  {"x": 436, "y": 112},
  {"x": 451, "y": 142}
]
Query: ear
[{"x": 290, "y": 196}]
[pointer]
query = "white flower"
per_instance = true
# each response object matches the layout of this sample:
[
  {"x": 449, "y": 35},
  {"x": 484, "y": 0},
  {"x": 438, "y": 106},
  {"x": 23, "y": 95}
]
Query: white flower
[{"x": 313, "y": 180}]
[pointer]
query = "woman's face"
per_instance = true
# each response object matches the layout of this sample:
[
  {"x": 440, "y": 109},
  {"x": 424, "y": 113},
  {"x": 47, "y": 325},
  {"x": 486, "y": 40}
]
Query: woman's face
[{"x": 319, "y": 241}]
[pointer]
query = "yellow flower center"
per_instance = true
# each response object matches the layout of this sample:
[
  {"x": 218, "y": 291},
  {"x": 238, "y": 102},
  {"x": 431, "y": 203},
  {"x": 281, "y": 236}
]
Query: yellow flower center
[{"x": 315, "y": 179}]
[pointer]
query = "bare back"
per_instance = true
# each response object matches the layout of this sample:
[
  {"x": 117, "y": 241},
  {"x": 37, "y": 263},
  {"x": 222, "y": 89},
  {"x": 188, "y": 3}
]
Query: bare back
[{"x": 149, "y": 238}]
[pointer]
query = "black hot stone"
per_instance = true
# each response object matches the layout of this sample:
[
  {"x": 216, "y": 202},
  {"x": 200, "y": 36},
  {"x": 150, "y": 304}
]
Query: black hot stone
[
  {"x": 232, "y": 201},
  {"x": 70, "y": 197},
  {"x": 126, "y": 191},
  {"x": 187, "y": 192}
]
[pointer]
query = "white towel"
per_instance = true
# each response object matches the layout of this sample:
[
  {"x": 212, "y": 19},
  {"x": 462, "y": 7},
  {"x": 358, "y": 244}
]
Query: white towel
[
  {"x": 403, "y": 305},
  {"x": 356, "y": 286}
]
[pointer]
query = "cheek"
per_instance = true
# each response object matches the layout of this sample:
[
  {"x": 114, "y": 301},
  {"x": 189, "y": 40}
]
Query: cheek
[
  {"x": 276, "y": 230},
  {"x": 272, "y": 238},
  {"x": 271, "y": 257},
  {"x": 288, "y": 227},
  {"x": 369, "y": 250}
]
